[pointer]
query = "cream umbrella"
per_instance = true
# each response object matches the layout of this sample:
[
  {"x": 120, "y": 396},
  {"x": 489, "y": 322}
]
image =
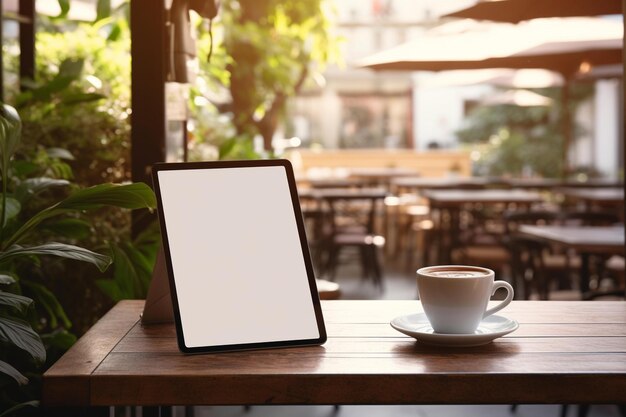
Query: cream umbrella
[
  {"x": 566, "y": 46},
  {"x": 514, "y": 11}
]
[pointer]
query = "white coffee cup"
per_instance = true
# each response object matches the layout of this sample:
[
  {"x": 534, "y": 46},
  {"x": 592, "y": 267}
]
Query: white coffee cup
[{"x": 455, "y": 297}]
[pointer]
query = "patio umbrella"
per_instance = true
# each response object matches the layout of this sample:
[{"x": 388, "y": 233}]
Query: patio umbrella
[
  {"x": 502, "y": 77},
  {"x": 562, "y": 45},
  {"x": 553, "y": 44},
  {"x": 522, "y": 98},
  {"x": 514, "y": 11}
]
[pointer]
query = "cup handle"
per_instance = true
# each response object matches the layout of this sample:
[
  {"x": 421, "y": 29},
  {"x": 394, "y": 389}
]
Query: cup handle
[{"x": 505, "y": 302}]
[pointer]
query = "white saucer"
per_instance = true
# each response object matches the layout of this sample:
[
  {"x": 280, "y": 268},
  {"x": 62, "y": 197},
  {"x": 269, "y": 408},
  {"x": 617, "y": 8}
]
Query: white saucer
[{"x": 417, "y": 326}]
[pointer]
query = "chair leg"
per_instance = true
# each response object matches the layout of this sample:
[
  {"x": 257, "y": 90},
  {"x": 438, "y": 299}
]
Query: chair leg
[
  {"x": 376, "y": 267},
  {"x": 365, "y": 262},
  {"x": 331, "y": 262}
]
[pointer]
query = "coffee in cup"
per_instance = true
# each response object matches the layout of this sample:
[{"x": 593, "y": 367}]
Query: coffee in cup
[{"x": 455, "y": 297}]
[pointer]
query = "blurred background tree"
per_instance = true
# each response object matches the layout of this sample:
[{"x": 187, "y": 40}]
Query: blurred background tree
[
  {"x": 511, "y": 140},
  {"x": 263, "y": 53}
]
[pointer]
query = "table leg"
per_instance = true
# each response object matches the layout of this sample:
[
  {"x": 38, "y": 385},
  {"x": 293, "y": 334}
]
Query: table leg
[{"x": 584, "y": 273}]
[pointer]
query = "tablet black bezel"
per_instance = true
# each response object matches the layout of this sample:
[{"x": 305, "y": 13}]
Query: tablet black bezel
[{"x": 177, "y": 166}]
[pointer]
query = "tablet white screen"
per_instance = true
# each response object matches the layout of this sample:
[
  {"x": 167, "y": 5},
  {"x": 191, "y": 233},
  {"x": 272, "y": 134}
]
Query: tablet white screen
[{"x": 236, "y": 256}]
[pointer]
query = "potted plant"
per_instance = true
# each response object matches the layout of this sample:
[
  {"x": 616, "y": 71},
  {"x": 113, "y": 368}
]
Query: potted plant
[{"x": 23, "y": 241}]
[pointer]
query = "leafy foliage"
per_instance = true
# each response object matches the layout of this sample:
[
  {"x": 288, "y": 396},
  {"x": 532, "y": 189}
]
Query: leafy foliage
[
  {"x": 514, "y": 140},
  {"x": 81, "y": 96},
  {"x": 264, "y": 52},
  {"x": 22, "y": 249}
]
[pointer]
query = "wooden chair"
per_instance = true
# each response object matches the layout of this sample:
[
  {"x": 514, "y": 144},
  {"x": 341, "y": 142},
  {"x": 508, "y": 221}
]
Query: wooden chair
[
  {"x": 351, "y": 223},
  {"x": 481, "y": 240},
  {"x": 601, "y": 264},
  {"x": 527, "y": 256}
]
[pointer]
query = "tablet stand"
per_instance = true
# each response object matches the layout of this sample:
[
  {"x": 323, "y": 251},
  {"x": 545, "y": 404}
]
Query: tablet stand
[{"x": 158, "y": 307}]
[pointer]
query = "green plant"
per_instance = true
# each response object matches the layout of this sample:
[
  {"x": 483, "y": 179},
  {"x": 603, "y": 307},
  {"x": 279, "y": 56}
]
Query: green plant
[
  {"x": 80, "y": 100},
  {"x": 514, "y": 140},
  {"x": 16, "y": 333},
  {"x": 264, "y": 51},
  {"x": 24, "y": 244}
]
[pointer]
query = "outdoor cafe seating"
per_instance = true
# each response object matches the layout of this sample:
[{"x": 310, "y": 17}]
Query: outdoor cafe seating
[
  {"x": 465, "y": 220},
  {"x": 344, "y": 218}
]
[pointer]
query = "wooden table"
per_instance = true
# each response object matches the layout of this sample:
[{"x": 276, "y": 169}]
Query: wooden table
[
  {"x": 586, "y": 240},
  {"x": 563, "y": 352},
  {"x": 450, "y": 203},
  {"x": 439, "y": 182},
  {"x": 551, "y": 183},
  {"x": 458, "y": 198},
  {"x": 380, "y": 176},
  {"x": 600, "y": 197}
]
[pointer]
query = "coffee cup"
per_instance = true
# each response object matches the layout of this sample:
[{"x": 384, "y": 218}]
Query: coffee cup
[{"x": 455, "y": 297}]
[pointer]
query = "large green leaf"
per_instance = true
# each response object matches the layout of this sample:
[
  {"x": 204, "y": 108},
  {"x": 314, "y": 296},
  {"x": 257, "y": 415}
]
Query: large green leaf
[
  {"x": 79, "y": 98},
  {"x": 46, "y": 299},
  {"x": 17, "y": 407},
  {"x": 24, "y": 169},
  {"x": 19, "y": 333},
  {"x": 60, "y": 153},
  {"x": 62, "y": 250},
  {"x": 111, "y": 289},
  {"x": 6, "y": 279},
  {"x": 69, "y": 71},
  {"x": 59, "y": 339},
  {"x": 72, "y": 68},
  {"x": 65, "y": 8},
  {"x": 33, "y": 186},
  {"x": 130, "y": 196},
  {"x": 10, "y": 133},
  {"x": 12, "y": 208},
  {"x": 70, "y": 228},
  {"x": 18, "y": 302},
  {"x": 103, "y": 9},
  {"x": 7, "y": 369}
]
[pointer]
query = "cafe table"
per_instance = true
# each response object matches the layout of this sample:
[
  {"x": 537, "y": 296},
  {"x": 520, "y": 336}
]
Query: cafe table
[
  {"x": 585, "y": 240},
  {"x": 552, "y": 183},
  {"x": 417, "y": 184},
  {"x": 563, "y": 352},
  {"x": 597, "y": 197},
  {"x": 448, "y": 205},
  {"x": 380, "y": 176}
]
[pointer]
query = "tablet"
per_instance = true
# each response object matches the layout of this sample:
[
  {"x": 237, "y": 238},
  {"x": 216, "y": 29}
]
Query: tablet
[{"x": 237, "y": 257}]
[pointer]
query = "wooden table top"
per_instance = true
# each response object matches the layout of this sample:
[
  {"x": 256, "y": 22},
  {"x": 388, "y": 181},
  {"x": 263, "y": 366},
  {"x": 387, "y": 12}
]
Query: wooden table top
[
  {"x": 563, "y": 352},
  {"x": 590, "y": 239},
  {"x": 553, "y": 183},
  {"x": 438, "y": 183},
  {"x": 596, "y": 195},
  {"x": 344, "y": 193},
  {"x": 381, "y": 172},
  {"x": 455, "y": 198}
]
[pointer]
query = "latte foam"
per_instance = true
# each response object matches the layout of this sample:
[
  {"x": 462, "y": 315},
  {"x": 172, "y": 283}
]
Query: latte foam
[{"x": 457, "y": 274}]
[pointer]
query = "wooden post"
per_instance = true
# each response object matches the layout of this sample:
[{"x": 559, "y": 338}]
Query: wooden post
[
  {"x": 27, "y": 40},
  {"x": 148, "y": 76}
]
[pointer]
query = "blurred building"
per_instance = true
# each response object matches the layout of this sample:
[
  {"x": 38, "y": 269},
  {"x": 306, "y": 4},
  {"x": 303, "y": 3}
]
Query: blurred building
[
  {"x": 348, "y": 107},
  {"x": 359, "y": 108}
]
